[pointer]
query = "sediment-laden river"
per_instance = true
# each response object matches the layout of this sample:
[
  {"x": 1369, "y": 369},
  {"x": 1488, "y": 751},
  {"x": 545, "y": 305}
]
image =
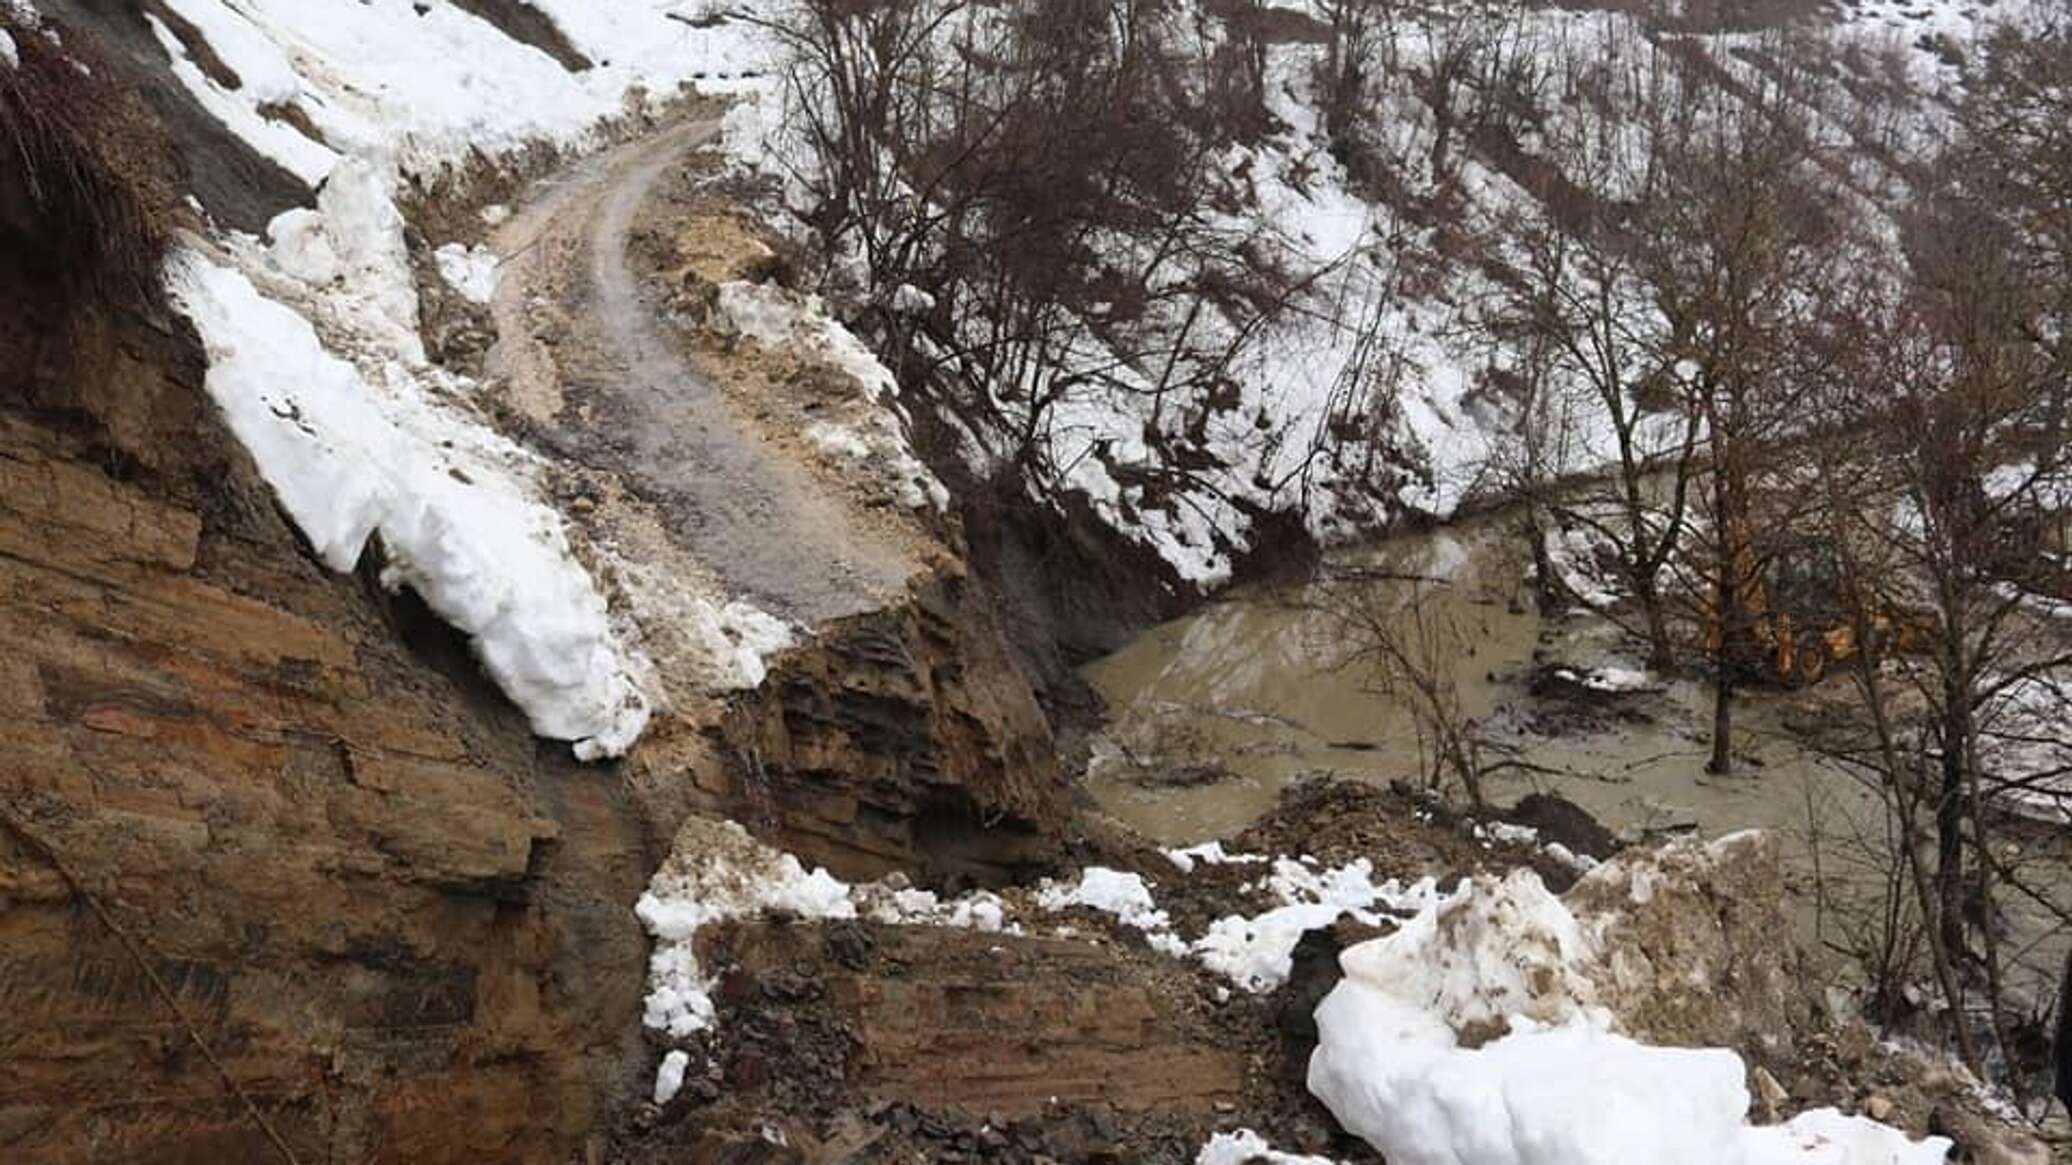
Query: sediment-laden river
[{"x": 1213, "y": 713}]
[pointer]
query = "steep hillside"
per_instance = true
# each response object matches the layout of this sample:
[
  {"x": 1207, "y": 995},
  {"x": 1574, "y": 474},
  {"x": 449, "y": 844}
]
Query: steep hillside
[
  {"x": 531, "y": 636},
  {"x": 276, "y": 836},
  {"x": 1305, "y": 307}
]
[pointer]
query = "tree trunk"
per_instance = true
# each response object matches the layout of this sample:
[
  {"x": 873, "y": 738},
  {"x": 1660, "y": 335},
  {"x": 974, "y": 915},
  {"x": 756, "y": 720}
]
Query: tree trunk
[
  {"x": 1722, "y": 762},
  {"x": 1660, "y": 657},
  {"x": 1546, "y": 588},
  {"x": 1949, "y": 827},
  {"x": 2062, "y": 1048}
]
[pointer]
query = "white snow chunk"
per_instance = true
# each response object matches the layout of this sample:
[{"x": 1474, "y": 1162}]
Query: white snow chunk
[
  {"x": 1124, "y": 895},
  {"x": 9, "y": 55},
  {"x": 1245, "y": 1147},
  {"x": 1580, "y": 863},
  {"x": 1209, "y": 853},
  {"x": 1116, "y": 892},
  {"x": 350, "y": 252},
  {"x": 348, "y": 461},
  {"x": 669, "y": 1077},
  {"x": 468, "y": 270},
  {"x": 1510, "y": 834}
]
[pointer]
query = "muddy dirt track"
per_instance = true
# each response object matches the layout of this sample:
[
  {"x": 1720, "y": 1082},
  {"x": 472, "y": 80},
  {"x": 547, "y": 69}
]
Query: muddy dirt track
[{"x": 600, "y": 380}]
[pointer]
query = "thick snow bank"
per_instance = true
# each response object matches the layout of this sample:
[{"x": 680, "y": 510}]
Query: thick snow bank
[
  {"x": 1568, "y": 1095},
  {"x": 1558, "y": 1086},
  {"x": 349, "y": 460}
]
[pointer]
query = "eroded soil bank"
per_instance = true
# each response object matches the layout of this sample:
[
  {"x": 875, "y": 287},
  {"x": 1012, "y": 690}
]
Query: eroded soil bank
[{"x": 284, "y": 874}]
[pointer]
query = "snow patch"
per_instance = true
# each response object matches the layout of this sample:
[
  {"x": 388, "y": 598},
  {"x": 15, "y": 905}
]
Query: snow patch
[
  {"x": 1257, "y": 953},
  {"x": 350, "y": 459},
  {"x": 1124, "y": 895},
  {"x": 1245, "y": 1147},
  {"x": 468, "y": 270},
  {"x": 716, "y": 872},
  {"x": 980, "y": 910},
  {"x": 1209, "y": 853},
  {"x": 872, "y": 435}
]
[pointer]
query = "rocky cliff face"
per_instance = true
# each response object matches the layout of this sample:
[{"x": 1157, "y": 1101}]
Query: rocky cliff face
[
  {"x": 260, "y": 808},
  {"x": 398, "y": 923},
  {"x": 906, "y": 740}
]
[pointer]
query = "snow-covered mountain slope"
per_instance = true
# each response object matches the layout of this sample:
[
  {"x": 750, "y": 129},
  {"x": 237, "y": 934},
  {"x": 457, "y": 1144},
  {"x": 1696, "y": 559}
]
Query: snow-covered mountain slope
[{"x": 1383, "y": 384}]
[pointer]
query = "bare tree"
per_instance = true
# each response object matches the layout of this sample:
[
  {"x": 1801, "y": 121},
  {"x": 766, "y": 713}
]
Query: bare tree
[
  {"x": 1740, "y": 229},
  {"x": 1046, "y": 176},
  {"x": 1579, "y": 307},
  {"x": 1950, "y": 442},
  {"x": 1399, "y": 637}
]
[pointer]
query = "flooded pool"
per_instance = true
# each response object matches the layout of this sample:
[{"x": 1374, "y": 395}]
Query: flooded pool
[
  {"x": 1257, "y": 690},
  {"x": 1211, "y": 715}
]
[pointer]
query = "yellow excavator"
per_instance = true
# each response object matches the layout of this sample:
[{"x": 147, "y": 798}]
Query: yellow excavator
[{"x": 1795, "y": 640}]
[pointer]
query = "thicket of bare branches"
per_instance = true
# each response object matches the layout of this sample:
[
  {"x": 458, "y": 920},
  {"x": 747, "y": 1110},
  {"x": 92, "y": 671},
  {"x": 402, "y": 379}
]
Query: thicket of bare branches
[
  {"x": 1044, "y": 178},
  {"x": 1939, "y": 502}
]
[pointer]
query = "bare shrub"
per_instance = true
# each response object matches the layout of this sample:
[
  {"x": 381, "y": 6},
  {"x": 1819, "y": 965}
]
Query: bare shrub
[{"x": 91, "y": 185}]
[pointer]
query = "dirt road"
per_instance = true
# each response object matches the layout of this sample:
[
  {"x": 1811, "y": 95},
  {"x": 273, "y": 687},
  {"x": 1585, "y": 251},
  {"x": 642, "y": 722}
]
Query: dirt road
[{"x": 603, "y": 383}]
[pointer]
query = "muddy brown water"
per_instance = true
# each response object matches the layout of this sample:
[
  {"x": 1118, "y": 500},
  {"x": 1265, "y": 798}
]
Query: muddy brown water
[{"x": 1212, "y": 714}]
